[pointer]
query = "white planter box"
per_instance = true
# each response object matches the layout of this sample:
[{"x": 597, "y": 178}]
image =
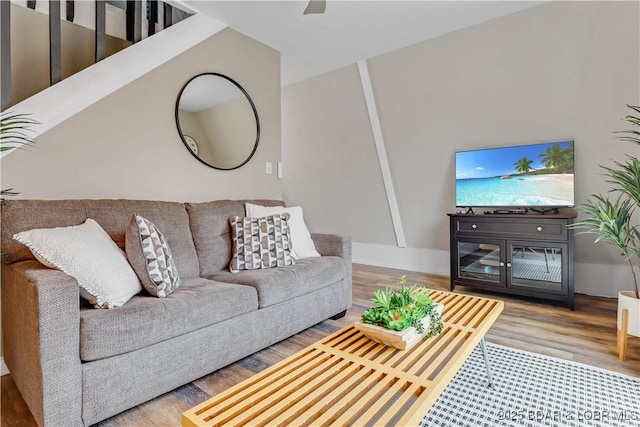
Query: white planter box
[{"x": 627, "y": 300}]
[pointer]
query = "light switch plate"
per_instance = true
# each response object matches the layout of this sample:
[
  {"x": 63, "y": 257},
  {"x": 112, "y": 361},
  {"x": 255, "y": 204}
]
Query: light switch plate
[{"x": 268, "y": 168}]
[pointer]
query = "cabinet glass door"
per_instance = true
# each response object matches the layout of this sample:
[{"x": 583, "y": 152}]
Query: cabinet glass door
[
  {"x": 537, "y": 265},
  {"x": 480, "y": 259}
]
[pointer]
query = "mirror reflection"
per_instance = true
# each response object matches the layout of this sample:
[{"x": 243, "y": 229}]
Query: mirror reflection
[{"x": 217, "y": 121}]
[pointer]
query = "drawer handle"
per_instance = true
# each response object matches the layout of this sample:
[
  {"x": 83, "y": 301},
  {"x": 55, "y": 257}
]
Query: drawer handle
[
  {"x": 508, "y": 264},
  {"x": 539, "y": 228},
  {"x": 501, "y": 264},
  {"x": 474, "y": 226}
]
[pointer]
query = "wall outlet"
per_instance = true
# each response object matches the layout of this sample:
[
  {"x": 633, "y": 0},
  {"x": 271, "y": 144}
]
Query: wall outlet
[{"x": 268, "y": 168}]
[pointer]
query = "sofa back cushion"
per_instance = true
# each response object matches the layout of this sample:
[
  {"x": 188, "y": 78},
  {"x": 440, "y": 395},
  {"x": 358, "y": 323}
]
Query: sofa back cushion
[
  {"x": 112, "y": 215},
  {"x": 212, "y": 233}
]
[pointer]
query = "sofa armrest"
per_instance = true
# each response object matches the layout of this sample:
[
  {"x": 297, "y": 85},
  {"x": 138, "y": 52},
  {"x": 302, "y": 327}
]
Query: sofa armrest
[
  {"x": 333, "y": 245},
  {"x": 41, "y": 333}
]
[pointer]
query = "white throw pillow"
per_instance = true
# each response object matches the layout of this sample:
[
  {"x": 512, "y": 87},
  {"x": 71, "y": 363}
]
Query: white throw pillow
[
  {"x": 88, "y": 254},
  {"x": 301, "y": 244}
]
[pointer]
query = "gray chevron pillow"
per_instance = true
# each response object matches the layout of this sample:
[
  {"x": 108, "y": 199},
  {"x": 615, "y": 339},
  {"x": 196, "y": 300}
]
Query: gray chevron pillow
[
  {"x": 260, "y": 242},
  {"x": 150, "y": 257}
]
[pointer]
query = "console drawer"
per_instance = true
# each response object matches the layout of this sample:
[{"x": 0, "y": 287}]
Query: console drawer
[{"x": 536, "y": 228}]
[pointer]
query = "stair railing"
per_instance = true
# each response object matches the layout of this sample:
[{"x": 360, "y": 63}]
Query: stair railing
[{"x": 133, "y": 14}]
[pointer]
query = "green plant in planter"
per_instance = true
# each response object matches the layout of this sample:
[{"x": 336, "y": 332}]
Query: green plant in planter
[
  {"x": 612, "y": 219},
  {"x": 398, "y": 309}
]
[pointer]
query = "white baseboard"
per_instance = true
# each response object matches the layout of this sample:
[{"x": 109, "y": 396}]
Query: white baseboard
[
  {"x": 3, "y": 368},
  {"x": 591, "y": 279},
  {"x": 413, "y": 259},
  {"x": 604, "y": 280}
]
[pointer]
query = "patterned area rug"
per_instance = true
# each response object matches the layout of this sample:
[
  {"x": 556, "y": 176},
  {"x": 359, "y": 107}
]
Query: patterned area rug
[{"x": 535, "y": 390}]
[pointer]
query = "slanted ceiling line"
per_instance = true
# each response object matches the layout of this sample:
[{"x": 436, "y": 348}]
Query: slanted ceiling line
[
  {"x": 72, "y": 95},
  {"x": 382, "y": 153}
]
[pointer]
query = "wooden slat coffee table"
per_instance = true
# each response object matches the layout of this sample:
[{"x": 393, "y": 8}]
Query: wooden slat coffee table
[{"x": 347, "y": 379}]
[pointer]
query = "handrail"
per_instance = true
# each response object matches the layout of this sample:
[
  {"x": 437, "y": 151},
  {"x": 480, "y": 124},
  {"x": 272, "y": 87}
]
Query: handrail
[
  {"x": 61, "y": 101},
  {"x": 133, "y": 16}
]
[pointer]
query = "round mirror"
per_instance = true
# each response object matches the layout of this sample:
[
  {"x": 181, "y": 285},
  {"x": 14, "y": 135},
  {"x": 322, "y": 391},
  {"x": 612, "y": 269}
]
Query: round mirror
[{"x": 217, "y": 121}]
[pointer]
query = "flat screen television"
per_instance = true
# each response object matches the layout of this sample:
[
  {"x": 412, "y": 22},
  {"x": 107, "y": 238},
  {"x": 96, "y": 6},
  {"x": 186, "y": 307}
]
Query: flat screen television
[{"x": 522, "y": 176}]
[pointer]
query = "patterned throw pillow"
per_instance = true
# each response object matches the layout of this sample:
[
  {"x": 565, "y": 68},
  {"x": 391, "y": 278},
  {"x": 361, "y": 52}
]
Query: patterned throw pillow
[
  {"x": 301, "y": 243},
  {"x": 150, "y": 256},
  {"x": 260, "y": 242}
]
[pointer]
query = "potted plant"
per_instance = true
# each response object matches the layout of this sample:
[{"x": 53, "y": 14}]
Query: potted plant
[
  {"x": 13, "y": 134},
  {"x": 612, "y": 220},
  {"x": 401, "y": 316}
]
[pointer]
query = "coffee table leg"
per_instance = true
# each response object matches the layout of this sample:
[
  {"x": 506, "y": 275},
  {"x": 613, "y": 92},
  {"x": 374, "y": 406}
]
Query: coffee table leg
[{"x": 483, "y": 345}]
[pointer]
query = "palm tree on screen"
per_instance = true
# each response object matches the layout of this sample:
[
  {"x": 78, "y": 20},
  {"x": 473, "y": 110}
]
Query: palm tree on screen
[
  {"x": 568, "y": 159},
  {"x": 523, "y": 165},
  {"x": 553, "y": 158}
]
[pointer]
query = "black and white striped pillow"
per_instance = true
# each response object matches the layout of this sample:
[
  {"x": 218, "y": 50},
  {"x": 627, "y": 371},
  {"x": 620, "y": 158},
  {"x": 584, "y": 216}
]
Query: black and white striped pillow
[
  {"x": 260, "y": 242},
  {"x": 151, "y": 258}
]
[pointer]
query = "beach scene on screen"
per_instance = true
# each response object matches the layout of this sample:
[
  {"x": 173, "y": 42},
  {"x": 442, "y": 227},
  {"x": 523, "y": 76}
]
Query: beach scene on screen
[{"x": 519, "y": 176}]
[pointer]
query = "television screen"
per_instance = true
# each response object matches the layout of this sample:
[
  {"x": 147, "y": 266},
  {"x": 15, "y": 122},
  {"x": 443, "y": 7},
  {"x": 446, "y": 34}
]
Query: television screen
[{"x": 519, "y": 176}]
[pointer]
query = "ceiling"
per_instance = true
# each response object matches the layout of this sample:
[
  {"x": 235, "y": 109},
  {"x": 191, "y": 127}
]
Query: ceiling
[{"x": 349, "y": 30}]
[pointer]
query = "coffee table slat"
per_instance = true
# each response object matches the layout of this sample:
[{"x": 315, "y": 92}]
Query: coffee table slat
[
  {"x": 269, "y": 402},
  {"x": 330, "y": 402},
  {"x": 244, "y": 396},
  {"x": 347, "y": 379},
  {"x": 316, "y": 397}
]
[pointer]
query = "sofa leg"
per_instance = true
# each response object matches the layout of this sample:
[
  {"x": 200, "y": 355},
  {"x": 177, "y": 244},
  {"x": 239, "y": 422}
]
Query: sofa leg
[{"x": 339, "y": 315}]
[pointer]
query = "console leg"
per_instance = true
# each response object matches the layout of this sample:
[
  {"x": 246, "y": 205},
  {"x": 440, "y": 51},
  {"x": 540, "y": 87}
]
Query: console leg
[{"x": 339, "y": 315}]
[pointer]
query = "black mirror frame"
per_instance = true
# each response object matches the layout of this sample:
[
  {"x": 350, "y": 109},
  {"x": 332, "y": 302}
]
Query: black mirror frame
[{"x": 253, "y": 107}]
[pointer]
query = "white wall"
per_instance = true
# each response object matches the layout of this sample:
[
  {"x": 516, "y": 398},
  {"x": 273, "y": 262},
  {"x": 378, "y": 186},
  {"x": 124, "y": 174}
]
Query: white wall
[
  {"x": 127, "y": 145},
  {"x": 562, "y": 70}
]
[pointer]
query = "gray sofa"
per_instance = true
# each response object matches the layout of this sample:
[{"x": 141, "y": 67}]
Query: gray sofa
[{"x": 76, "y": 365}]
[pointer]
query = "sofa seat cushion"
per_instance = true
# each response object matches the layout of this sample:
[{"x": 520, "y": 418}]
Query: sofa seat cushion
[
  {"x": 276, "y": 285},
  {"x": 146, "y": 320}
]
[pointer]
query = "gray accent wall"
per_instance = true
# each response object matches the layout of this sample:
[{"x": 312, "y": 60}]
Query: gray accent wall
[
  {"x": 561, "y": 70},
  {"x": 330, "y": 161}
]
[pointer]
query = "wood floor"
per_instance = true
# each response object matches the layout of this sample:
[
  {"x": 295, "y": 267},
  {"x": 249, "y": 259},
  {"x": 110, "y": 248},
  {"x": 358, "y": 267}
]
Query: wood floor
[{"x": 586, "y": 335}]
